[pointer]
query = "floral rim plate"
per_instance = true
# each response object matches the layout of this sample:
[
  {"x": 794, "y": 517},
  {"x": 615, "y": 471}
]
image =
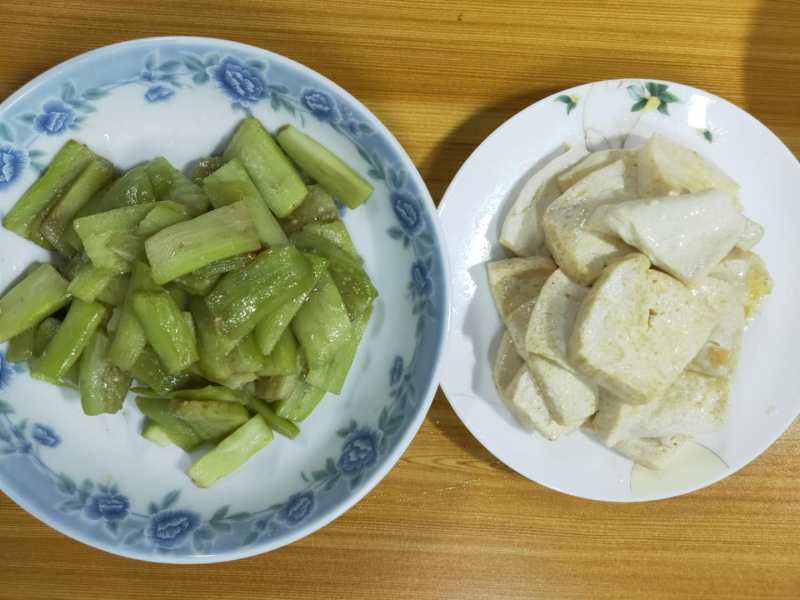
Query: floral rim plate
[
  {"x": 95, "y": 479},
  {"x": 614, "y": 113}
]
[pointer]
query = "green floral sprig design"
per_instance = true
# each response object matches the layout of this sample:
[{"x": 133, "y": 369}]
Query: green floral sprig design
[
  {"x": 651, "y": 96},
  {"x": 569, "y": 101}
]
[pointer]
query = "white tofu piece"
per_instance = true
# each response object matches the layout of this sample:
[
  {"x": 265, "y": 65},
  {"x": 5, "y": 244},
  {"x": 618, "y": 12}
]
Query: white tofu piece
[
  {"x": 517, "y": 324},
  {"x": 686, "y": 235},
  {"x": 597, "y": 160},
  {"x": 522, "y": 229},
  {"x": 720, "y": 354},
  {"x": 746, "y": 270},
  {"x": 581, "y": 253},
  {"x": 637, "y": 330},
  {"x": 665, "y": 167},
  {"x": 552, "y": 318},
  {"x": 570, "y": 398},
  {"x": 514, "y": 281},
  {"x": 653, "y": 453},
  {"x": 695, "y": 404},
  {"x": 507, "y": 362},
  {"x": 525, "y": 402},
  {"x": 753, "y": 233}
]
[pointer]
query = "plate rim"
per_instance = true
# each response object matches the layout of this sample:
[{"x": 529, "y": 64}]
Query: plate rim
[
  {"x": 426, "y": 397},
  {"x": 442, "y": 208}
]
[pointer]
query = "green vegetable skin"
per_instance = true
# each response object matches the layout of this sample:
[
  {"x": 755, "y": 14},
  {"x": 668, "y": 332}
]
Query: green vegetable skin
[
  {"x": 210, "y": 392},
  {"x": 131, "y": 189},
  {"x": 272, "y": 173},
  {"x": 213, "y": 347},
  {"x": 332, "y": 377},
  {"x": 166, "y": 329},
  {"x": 153, "y": 432},
  {"x": 89, "y": 281},
  {"x": 242, "y": 298},
  {"x": 205, "y": 167},
  {"x": 318, "y": 207},
  {"x": 148, "y": 370},
  {"x": 210, "y": 419},
  {"x": 188, "y": 246},
  {"x": 45, "y": 332},
  {"x": 231, "y": 453},
  {"x": 68, "y": 163},
  {"x": 99, "y": 173},
  {"x": 21, "y": 346},
  {"x": 41, "y": 293},
  {"x": 276, "y": 387},
  {"x": 64, "y": 350},
  {"x": 300, "y": 404},
  {"x": 283, "y": 359},
  {"x": 325, "y": 167},
  {"x": 101, "y": 231},
  {"x": 129, "y": 338},
  {"x": 115, "y": 291},
  {"x": 336, "y": 233},
  {"x": 283, "y": 426},
  {"x": 170, "y": 184},
  {"x": 162, "y": 215},
  {"x": 158, "y": 410},
  {"x": 230, "y": 184},
  {"x": 102, "y": 386}
]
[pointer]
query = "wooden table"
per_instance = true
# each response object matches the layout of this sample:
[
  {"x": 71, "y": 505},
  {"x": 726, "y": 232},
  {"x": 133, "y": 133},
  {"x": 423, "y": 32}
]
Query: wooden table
[{"x": 450, "y": 521}]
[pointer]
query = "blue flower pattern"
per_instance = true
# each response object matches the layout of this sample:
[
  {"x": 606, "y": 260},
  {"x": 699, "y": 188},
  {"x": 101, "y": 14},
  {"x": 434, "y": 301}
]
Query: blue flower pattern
[{"x": 175, "y": 529}]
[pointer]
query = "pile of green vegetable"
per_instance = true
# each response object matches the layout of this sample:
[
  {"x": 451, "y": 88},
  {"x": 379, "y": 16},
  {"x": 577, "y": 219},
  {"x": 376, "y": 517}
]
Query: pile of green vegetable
[{"x": 234, "y": 298}]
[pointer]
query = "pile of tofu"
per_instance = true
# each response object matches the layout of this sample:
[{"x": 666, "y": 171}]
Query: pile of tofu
[{"x": 625, "y": 304}]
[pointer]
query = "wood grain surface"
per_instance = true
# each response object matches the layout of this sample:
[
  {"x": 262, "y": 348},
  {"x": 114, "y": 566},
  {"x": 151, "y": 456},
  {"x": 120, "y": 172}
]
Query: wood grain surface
[{"x": 450, "y": 521}]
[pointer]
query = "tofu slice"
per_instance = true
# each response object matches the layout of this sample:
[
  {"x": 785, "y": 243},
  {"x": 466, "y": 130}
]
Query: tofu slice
[
  {"x": 753, "y": 233},
  {"x": 553, "y": 317},
  {"x": 686, "y": 235},
  {"x": 507, "y": 362},
  {"x": 665, "y": 167},
  {"x": 720, "y": 354},
  {"x": 637, "y": 330},
  {"x": 522, "y": 229},
  {"x": 514, "y": 281},
  {"x": 693, "y": 405},
  {"x": 597, "y": 160},
  {"x": 570, "y": 398},
  {"x": 653, "y": 453},
  {"x": 746, "y": 270},
  {"x": 581, "y": 253},
  {"x": 527, "y": 405}
]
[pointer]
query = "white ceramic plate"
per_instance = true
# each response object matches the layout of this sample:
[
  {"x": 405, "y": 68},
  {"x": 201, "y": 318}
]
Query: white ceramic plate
[
  {"x": 95, "y": 478},
  {"x": 613, "y": 113}
]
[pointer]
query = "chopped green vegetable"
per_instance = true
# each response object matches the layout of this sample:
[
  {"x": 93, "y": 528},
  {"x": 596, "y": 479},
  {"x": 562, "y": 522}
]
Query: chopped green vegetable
[
  {"x": 149, "y": 371},
  {"x": 95, "y": 176},
  {"x": 166, "y": 329},
  {"x": 131, "y": 189},
  {"x": 21, "y": 346},
  {"x": 271, "y": 328},
  {"x": 210, "y": 419},
  {"x": 210, "y": 392},
  {"x": 231, "y": 453},
  {"x": 162, "y": 215},
  {"x": 102, "y": 386},
  {"x": 213, "y": 347},
  {"x": 158, "y": 410},
  {"x": 301, "y": 403},
  {"x": 89, "y": 281},
  {"x": 283, "y": 426},
  {"x": 188, "y": 246},
  {"x": 336, "y": 233},
  {"x": 68, "y": 163},
  {"x": 115, "y": 291},
  {"x": 102, "y": 232},
  {"x": 278, "y": 387},
  {"x": 231, "y": 184},
  {"x": 272, "y": 173},
  {"x": 129, "y": 338},
  {"x": 325, "y": 167},
  {"x": 153, "y": 432},
  {"x": 332, "y": 377},
  {"x": 205, "y": 167},
  {"x": 45, "y": 332},
  {"x": 284, "y": 359},
  {"x": 64, "y": 350},
  {"x": 246, "y": 357},
  {"x": 40, "y": 293},
  {"x": 242, "y": 298},
  {"x": 318, "y": 207},
  {"x": 170, "y": 184}
]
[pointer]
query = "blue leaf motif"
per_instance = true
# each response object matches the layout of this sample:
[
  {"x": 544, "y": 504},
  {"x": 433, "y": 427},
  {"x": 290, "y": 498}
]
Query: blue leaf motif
[
  {"x": 6, "y": 133},
  {"x": 133, "y": 537},
  {"x": 27, "y": 118},
  {"x": 94, "y": 93},
  {"x": 169, "y": 66},
  {"x": 219, "y": 513},
  {"x": 200, "y": 78},
  {"x": 152, "y": 508},
  {"x": 251, "y": 537},
  {"x": 6, "y": 408},
  {"x": 150, "y": 61},
  {"x": 67, "y": 91},
  {"x": 193, "y": 63},
  {"x": 170, "y": 499},
  {"x": 65, "y": 484}
]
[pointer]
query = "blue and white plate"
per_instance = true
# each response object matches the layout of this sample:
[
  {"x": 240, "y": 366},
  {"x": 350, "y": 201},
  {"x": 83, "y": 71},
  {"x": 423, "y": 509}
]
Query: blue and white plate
[{"x": 95, "y": 478}]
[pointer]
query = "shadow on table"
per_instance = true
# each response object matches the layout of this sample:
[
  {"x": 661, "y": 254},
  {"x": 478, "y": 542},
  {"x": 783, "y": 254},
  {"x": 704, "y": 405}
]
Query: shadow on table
[{"x": 772, "y": 69}]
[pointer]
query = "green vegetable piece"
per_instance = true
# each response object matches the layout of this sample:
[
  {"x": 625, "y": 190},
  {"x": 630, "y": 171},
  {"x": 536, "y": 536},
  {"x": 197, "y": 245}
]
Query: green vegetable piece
[
  {"x": 161, "y": 216},
  {"x": 322, "y": 325},
  {"x": 195, "y": 284},
  {"x": 210, "y": 419},
  {"x": 332, "y": 377},
  {"x": 225, "y": 265},
  {"x": 270, "y": 329},
  {"x": 349, "y": 276},
  {"x": 318, "y": 207},
  {"x": 68, "y": 163},
  {"x": 231, "y": 184},
  {"x": 188, "y": 246},
  {"x": 103, "y": 387},
  {"x": 45, "y": 332},
  {"x": 115, "y": 290},
  {"x": 283, "y": 360},
  {"x": 21, "y": 346},
  {"x": 205, "y": 167},
  {"x": 246, "y": 357},
  {"x": 210, "y": 392},
  {"x": 41, "y": 293},
  {"x": 231, "y": 453},
  {"x": 170, "y": 184},
  {"x": 272, "y": 173},
  {"x": 64, "y": 350},
  {"x": 278, "y": 387},
  {"x": 153, "y": 432},
  {"x": 148, "y": 370},
  {"x": 301, "y": 403},
  {"x": 242, "y": 298},
  {"x": 95, "y": 176},
  {"x": 180, "y": 295},
  {"x": 325, "y": 167},
  {"x": 129, "y": 338},
  {"x": 336, "y": 233},
  {"x": 89, "y": 281},
  {"x": 283, "y": 426},
  {"x": 238, "y": 380},
  {"x": 102, "y": 233},
  {"x": 132, "y": 189},
  {"x": 166, "y": 329},
  {"x": 158, "y": 410},
  {"x": 212, "y": 346}
]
